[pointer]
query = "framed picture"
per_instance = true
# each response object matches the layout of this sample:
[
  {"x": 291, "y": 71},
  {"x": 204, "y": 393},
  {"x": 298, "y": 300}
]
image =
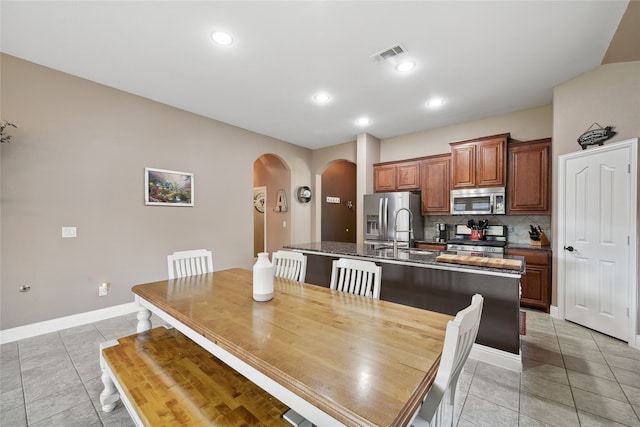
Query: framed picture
[{"x": 167, "y": 188}]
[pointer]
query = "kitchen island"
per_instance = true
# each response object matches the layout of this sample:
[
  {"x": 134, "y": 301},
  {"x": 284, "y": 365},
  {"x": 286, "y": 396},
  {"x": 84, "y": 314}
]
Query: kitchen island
[{"x": 416, "y": 278}]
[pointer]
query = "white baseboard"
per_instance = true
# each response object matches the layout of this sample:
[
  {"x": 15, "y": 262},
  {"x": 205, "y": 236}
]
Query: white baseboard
[
  {"x": 54, "y": 325},
  {"x": 554, "y": 312},
  {"x": 497, "y": 357}
]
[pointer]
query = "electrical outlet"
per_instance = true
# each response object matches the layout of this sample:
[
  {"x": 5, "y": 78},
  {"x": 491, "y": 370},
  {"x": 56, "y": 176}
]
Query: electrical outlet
[{"x": 103, "y": 289}]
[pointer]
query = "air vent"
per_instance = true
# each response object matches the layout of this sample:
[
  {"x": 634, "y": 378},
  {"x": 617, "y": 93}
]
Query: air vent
[{"x": 388, "y": 53}]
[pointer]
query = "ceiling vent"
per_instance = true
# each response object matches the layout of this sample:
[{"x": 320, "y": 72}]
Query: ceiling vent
[{"x": 387, "y": 54}]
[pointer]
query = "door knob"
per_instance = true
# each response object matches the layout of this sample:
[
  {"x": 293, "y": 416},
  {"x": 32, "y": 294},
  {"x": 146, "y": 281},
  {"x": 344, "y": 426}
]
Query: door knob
[{"x": 569, "y": 248}]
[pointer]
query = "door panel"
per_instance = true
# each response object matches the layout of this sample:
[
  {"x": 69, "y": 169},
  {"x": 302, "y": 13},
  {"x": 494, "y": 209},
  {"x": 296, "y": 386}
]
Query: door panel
[{"x": 597, "y": 227}]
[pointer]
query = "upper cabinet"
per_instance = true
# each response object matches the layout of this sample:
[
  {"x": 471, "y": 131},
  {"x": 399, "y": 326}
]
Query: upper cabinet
[
  {"x": 396, "y": 176},
  {"x": 436, "y": 189},
  {"x": 529, "y": 182},
  {"x": 479, "y": 162}
]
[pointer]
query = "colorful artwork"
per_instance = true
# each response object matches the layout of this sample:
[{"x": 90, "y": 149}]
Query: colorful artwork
[{"x": 168, "y": 188}]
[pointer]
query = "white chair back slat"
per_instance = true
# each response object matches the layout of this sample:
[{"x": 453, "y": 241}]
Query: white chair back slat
[
  {"x": 437, "y": 409},
  {"x": 356, "y": 277},
  {"x": 189, "y": 263},
  {"x": 289, "y": 265}
]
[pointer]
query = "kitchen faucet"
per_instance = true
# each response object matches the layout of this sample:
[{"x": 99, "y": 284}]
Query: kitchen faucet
[{"x": 395, "y": 230}]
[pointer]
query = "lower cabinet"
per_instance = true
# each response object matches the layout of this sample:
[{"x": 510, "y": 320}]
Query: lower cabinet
[
  {"x": 432, "y": 246},
  {"x": 536, "y": 283}
]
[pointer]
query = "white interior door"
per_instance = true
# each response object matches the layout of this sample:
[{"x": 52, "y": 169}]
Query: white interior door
[{"x": 597, "y": 237}]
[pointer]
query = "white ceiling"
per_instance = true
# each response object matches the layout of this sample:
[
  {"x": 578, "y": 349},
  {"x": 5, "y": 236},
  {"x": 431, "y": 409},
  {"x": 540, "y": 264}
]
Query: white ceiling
[{"x": 483, "y": 57}]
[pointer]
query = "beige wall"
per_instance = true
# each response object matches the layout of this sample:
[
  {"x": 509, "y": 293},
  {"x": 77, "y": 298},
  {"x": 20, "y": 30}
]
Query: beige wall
[
  {"x": 524, "y": 125},
  {"x": 77, "y": 159},
  {"x": 608, "y": 95}
]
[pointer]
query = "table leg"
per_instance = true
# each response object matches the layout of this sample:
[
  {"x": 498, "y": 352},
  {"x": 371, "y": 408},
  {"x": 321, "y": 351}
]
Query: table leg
[
  {"x": 144, "y": 319},
  {"x": 109, "y": 396}
]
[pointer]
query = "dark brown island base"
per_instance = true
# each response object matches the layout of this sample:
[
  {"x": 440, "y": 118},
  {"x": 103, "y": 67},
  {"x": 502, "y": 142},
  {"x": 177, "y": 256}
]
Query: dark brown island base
[{"x": 414, "y": 277}]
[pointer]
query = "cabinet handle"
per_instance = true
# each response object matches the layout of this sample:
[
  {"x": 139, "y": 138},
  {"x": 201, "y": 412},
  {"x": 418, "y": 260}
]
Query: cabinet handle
[{"x": 569, "y": 248}]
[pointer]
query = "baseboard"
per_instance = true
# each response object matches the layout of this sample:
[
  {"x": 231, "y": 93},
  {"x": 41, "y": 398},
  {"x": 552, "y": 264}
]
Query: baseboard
[
  {"x": 54, "y": 325},
  {"x": 638, "y": 342},
  {"x": 497, "y": 357},
  {"x": 554, "y": 312}
]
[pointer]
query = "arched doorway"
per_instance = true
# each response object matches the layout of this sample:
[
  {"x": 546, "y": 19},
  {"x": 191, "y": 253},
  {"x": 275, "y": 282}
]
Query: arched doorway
[
  {"x": 272, "y": 178},
  {"x": 339, "y": 202}
]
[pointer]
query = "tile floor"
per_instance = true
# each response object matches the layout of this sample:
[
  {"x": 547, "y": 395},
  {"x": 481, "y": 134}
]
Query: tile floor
[{"x": 572, "y": 376}]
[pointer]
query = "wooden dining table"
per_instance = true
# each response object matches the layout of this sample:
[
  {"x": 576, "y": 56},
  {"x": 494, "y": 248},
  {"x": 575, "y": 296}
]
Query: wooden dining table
[{"x": 335, "y": 358}]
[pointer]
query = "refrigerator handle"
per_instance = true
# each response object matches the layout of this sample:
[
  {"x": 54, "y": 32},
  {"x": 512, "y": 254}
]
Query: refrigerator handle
[{"x": 385, "y": 217}]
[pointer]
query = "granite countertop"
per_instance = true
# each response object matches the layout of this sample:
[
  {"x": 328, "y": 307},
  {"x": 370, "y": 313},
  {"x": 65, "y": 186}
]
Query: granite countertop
[
  {"x": 408, "y": 256},
  {"x": 513, "y": 245}
]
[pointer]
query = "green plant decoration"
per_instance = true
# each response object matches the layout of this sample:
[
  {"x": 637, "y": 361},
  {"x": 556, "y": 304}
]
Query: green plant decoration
[{"x": 3, "y": 136}]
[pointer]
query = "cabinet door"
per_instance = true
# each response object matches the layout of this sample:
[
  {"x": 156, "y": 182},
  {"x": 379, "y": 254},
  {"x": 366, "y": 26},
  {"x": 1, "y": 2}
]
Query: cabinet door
[
  {"x": 529, "y": 180},
  {"x": 492, "y": 166},
  {"x": 536, "y": 283},
  {"x": 436, "y": 188},
  {"x": 534, "y": 287},
  {"x": 463, "y": 166},
  {"x": 384, "y": 178},
  {"x": 408, "y": 176}
]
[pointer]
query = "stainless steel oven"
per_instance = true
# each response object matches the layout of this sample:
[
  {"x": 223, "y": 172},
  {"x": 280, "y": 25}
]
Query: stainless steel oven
[
  {"x": 492, "y": 245},
  {"x": 478, "y": 201}
]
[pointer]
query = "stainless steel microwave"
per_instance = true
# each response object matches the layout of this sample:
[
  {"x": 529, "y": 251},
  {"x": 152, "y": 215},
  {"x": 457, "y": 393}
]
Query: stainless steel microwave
[{"x": 478, "y": 201}]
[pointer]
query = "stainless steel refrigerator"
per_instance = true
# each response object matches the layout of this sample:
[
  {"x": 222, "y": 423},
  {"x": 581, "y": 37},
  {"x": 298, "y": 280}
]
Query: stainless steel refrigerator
[{"x": 381, "y": 210}]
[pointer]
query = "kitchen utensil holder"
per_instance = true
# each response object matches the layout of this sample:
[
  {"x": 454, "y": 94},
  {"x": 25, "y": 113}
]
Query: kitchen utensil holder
[{"x": 544, "y": 241}]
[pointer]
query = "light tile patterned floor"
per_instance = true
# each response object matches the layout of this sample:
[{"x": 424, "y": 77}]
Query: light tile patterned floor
[{"x": 572, "y": 376}]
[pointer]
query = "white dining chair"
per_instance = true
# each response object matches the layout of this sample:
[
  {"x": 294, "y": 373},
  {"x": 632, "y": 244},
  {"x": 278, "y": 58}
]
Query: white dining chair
[
  {"x": 356, "y": 277},
  {"x": 437, "y": 409},
  {"x": 189, "y": 263},
  {"x": 289, "y": 265}
]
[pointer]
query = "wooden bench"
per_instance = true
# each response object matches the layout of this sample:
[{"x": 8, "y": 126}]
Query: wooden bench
[{"x": 165, "y": 379}]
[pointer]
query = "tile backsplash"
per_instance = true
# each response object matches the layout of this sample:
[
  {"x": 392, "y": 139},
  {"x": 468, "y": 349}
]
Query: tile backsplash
[{"x": 517, "y": 226}]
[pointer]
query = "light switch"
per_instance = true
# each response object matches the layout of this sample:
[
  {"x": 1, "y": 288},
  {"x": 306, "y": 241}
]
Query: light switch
[{"x": 68, "y": 232}]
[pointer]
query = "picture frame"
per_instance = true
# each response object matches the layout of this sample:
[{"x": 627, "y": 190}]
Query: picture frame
[{"x": 164, "y": 187}]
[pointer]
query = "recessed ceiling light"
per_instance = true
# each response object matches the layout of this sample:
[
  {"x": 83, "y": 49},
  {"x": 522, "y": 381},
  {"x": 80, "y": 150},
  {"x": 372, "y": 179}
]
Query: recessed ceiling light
[
  {"x": 435, "y": 102},
  {"x": 322, "y": 97},
  {"x": 221, "y": 38},
  {"x": 363, "y": 121},
  {"x": 405, "y": 66}
]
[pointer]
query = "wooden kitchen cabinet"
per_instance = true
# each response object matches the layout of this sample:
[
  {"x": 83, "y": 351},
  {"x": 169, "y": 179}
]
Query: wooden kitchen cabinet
[
  {"x": 529, "y": 177},
  {"x": 432, "y": 246},
  {"x": 436, "y": 185},
  {"x": 396, "y": 176},
  {"x": 384, "y": 178},
  {"x": 536, "y": 282},
  {"x": 480, "y": 162}
]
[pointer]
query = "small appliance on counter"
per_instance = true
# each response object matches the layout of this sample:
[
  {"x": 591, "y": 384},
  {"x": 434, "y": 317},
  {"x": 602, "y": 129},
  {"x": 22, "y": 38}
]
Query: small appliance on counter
[
  {"x": 442, "y": 232},
  {"x": 491, "y": 244}
]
